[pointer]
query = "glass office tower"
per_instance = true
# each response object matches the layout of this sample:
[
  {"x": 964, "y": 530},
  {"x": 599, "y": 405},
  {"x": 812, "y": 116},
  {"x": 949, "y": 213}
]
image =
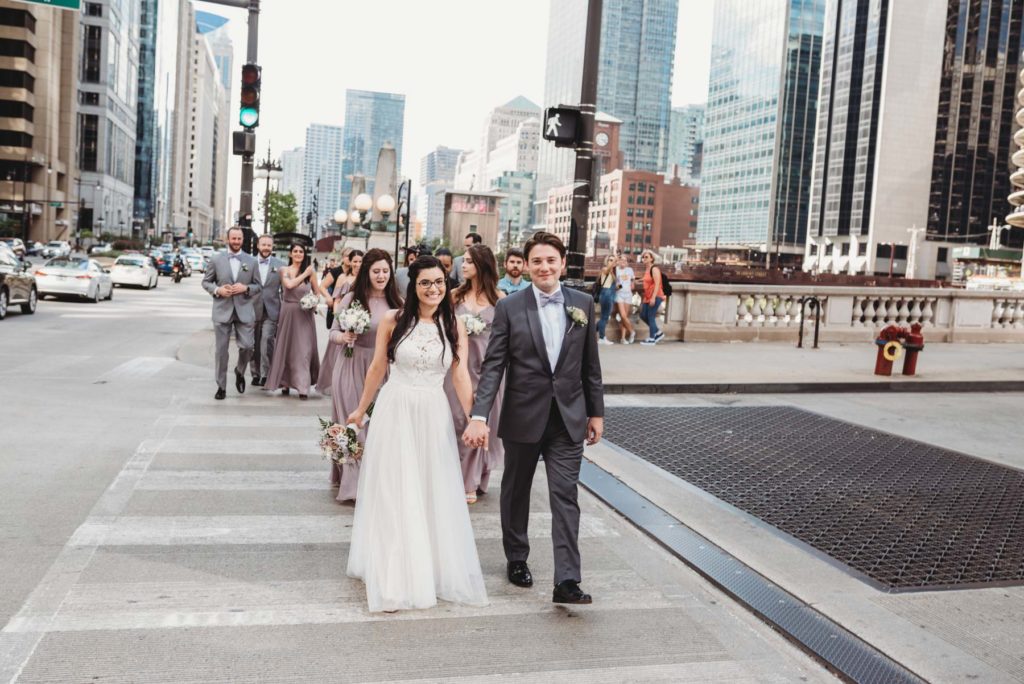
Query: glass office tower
[
  {"x": 760, "y": 121},
  {"x": 371, "y": 119}
]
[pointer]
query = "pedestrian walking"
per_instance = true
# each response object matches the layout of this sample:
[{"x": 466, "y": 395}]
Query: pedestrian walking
[
  {"x": 296, "y": 363},
  {"x": 231, "y": 281},
  {"x": 467, "y": 242},
  {"x": 513, "y": 280},
  {"x": 626, "y": 279},
  {"x": 606, "y": 285},
  {"x": 654, "y": 295},
  {"x": 267, "y": 306},
  {"x": 341, "y": 288}
]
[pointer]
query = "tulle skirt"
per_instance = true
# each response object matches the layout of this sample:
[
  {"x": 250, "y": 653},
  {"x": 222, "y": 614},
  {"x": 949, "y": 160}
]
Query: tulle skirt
[{"x": 412, "y": 541}]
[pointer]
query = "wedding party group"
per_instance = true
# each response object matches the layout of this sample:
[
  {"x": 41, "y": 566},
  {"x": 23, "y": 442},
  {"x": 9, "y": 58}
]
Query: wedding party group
[{"x": 436, "y": 379}]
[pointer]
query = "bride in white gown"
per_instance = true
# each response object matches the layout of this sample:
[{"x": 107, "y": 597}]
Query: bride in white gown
[{"x": 412, "y": 541}]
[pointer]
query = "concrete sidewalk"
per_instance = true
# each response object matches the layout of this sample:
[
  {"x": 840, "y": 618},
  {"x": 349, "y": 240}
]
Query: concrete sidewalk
[
  {"x": 218, "y": 554},
  {"x": 709, "y": 364}
]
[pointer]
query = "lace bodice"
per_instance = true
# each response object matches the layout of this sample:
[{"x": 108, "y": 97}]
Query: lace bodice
[{"x": 419, "y": 360}]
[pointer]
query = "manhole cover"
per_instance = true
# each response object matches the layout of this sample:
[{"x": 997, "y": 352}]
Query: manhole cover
[{"x": 905, "y": 514}]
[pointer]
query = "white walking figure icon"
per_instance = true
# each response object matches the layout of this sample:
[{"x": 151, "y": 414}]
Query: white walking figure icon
[{"x": 554, "y": 123}]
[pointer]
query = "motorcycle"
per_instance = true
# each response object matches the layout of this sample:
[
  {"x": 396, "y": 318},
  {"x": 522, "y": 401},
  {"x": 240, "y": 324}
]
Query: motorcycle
[{"x": 176, "y": 273}]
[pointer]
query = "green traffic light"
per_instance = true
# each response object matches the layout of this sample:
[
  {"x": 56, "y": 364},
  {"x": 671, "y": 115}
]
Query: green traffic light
[{"x": 249, "y": 117}]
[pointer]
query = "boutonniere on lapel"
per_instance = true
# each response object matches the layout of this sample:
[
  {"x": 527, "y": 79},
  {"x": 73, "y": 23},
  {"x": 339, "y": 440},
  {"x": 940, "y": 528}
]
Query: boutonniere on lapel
[
  {"x": 578, "y": 316},
  {"x": 245, "y": 268}
]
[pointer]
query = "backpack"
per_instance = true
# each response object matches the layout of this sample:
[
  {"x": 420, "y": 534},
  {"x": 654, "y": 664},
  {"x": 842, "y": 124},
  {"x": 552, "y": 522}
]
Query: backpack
[{"x": 666, "y": 284}]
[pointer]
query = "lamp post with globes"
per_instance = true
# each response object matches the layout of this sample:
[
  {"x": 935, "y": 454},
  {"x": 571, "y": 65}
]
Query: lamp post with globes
[
  {"x": 269, "y": 169},
  {"x": 386, "y": 205},
  {"x": 340, "y": 219},
  {"x": 360, "y": 214}
]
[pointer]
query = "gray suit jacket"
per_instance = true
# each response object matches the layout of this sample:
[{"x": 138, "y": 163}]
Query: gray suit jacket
[
  {"x": 219, "y": 273},
  {"x": 517, "y": 346},
  {"x": 268, "y": 303}
]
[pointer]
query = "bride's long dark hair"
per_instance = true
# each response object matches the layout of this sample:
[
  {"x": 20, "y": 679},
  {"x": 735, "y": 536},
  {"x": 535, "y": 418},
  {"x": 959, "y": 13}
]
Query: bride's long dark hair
[{"x": 409, "y": 314}]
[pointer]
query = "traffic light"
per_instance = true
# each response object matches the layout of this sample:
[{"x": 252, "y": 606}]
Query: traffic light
[{"x": 249, "y": 114}]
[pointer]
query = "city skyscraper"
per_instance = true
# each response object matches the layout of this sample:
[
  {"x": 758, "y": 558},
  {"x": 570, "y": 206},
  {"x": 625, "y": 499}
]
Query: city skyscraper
[
  {"x": 292, "y": 166},
  {"x": 975, "y": 122},
  {"x": 1016, "y": 197},
  {"x": 439, "y": 164},
  {"x": 638, "y": 39},
  {"x": 145, "y": 124},
  {"x": 685, "y": 142},
  {"x": 759, "y": 123},
  {"x": 321, "y": 173},
  {"x": 173, "y": 92},
  {"x": 108, "y": 90},
  {"x": 371, "y": 119}
]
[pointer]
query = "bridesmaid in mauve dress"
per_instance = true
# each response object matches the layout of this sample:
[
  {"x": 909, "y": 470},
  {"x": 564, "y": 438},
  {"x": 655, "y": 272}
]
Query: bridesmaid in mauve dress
[
  {"x": 477, "y": 296},
  {"x": 376, "y": 291},
  {"x": 296, "y": 362},
  {"x": 341, "y": 287}
]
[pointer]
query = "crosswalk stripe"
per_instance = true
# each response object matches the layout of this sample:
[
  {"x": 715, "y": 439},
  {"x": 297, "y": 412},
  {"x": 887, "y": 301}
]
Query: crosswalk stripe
[
  {"x": 197, "y": 480},
  {"x": 138, "y": 368},
  {"x": 303, "y": 447}
]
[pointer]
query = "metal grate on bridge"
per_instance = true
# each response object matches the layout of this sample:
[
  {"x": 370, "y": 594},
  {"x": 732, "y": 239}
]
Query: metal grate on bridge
[{"x": 908, "y": 515}]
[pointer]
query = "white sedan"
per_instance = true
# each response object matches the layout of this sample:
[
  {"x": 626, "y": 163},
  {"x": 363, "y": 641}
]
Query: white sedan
[
  {"x": 196, "y": 261},
  {"x": 135, "y": 270},
  {"x": 74, "y": 276}
]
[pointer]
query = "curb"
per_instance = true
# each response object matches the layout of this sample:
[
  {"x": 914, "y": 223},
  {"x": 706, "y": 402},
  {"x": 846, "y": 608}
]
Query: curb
[{"x": 907, "y": 386}]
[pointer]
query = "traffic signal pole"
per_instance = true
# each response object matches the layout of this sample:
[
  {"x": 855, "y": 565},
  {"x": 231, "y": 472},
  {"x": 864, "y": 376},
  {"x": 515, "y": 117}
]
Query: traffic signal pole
[{"x": 585, "y": 146}]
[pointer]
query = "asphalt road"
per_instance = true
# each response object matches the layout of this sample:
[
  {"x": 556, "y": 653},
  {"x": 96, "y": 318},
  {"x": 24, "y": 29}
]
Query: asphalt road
[{"x": 77, "y": 394}]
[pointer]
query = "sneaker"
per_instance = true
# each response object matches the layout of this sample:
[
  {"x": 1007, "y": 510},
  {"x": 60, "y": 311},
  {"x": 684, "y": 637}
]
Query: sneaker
[
  {"x": 605, "y": 340},
  {"x": 632, "y": 337},
  {"x": 649, "y": 342},
  {"x": 625, "y": 340},
  {"x": 657, "y": 338}
]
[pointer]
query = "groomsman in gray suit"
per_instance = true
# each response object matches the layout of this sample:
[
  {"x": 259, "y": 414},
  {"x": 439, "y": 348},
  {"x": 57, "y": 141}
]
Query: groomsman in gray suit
[
  {"x": 267, "y": 306},
  {"x": 232, "y": 282}
]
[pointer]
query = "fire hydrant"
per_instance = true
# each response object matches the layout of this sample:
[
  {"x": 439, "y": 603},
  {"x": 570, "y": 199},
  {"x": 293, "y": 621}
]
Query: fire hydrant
[
  {"x": 889, "y": 349},
  {"x": 913, "y": 343}
]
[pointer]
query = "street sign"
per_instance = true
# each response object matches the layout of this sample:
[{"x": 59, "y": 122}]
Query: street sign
[
  {"x": 60, "y": 4},
  {"x": 58, "y": 205},
  {"x": 562, "y": 125}
]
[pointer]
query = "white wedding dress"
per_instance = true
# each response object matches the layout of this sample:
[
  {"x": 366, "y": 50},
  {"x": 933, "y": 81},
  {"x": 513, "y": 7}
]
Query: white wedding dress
[{"x": 412, "y": 541}]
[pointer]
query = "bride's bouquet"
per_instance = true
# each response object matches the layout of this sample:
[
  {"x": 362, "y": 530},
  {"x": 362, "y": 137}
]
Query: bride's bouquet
[
  {"x": 310, "y": 301},
  {"x": 474, "y": 324},
  {"x": 340, "y": 443},
  {"x": 354, "y": 319}
]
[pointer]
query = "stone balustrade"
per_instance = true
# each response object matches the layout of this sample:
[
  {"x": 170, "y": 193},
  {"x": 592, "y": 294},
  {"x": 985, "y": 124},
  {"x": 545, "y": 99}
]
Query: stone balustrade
[{"x": 723, "y": 313}]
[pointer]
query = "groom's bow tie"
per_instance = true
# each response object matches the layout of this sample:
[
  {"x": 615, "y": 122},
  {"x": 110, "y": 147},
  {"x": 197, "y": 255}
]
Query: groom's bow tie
[
  {"x": 553, "y": 298},
  {"x": 234, "y": 256},
  {"x": 264, "y": 262}
]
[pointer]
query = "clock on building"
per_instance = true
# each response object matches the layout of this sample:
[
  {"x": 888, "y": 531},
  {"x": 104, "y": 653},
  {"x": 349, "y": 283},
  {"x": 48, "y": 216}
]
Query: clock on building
[{"x": 601, "y": 139}]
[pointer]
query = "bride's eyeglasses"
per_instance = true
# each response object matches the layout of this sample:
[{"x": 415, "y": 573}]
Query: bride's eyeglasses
[{"x": 428, "y": 284}]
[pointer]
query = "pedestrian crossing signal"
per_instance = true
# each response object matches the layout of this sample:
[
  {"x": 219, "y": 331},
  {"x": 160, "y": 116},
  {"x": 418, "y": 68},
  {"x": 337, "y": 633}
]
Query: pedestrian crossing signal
[
  {"x": 562, "y": 125},
  {"x": 249, "y": 114}
]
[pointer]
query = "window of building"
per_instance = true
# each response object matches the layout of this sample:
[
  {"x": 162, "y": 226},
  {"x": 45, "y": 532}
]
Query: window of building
[
  {"x": 828, "y": 249},
  {"x": 93, "y": 9},
  {"x": 632, "y": 188},
  {"x": 15, "y": 139},
  {"x": 17, "y": 17},
  {"x": 10, "y": 78},
  {"x": 16, "y": 110},
  {"x": 942, "y": 254},
  {"x": 88, "y": 98},
  {"x": 17, "y": 48},
  {"x": 88, "y": 137},
  {"x": 92, "y": 38},
  {"x": 845, "y": 250},
  {"x": 693, "y": 224}
]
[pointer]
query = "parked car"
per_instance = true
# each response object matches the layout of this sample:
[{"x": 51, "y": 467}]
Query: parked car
[
  {"x": 135, "y": 270},
  {"x": 74, "y": 276},
  {"x": 17, "y": 284},
  {"x": 16, "y": 245},
  {"x": 34, "y": 248},
  {"x": 56, "y": 248},
  {"x": 101, "y": 248},
  {"x": 197, "y": 262}
]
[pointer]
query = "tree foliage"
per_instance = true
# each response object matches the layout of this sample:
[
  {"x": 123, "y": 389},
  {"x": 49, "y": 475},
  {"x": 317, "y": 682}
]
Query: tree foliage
[{"x": 284, "y": 212}]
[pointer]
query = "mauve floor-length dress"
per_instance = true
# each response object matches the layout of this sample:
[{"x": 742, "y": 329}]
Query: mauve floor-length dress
[
  {"x": 332, "y": 357},
  {"x": 347, "y": 387},
  {"x": 296, "y": 361}
]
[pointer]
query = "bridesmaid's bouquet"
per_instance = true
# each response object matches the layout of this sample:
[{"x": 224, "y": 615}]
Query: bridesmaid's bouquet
[
  {"x": 340, "y": 442},
  {"x": 474, "y": 324},
  {"x": 310, "y": 301},
  {"x": 354, "y": 319}
]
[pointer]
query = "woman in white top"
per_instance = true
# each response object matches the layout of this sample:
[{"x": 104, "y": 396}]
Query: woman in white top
[{"x": 624, "y": 298}]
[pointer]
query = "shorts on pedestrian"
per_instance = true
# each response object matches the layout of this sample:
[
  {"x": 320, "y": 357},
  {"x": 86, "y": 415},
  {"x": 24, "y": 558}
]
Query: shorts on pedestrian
[{"x": 623, "y": 297}]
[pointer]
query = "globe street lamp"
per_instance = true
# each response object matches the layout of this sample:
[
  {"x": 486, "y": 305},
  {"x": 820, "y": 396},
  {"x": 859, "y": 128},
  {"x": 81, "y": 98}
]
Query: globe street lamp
[
  {"x": 385, "y": 205},
  {"x": 340, "y": 219},
  {"x": 361, "y": 207}
]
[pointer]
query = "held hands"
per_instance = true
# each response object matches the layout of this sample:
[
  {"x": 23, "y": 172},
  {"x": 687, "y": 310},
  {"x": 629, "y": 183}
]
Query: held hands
[
  {"x": 476, "y": 434},
  {"x": 595, "y": 428},
  {"x": 356, "y": 418},
  {"x": 231, "y": 290}
]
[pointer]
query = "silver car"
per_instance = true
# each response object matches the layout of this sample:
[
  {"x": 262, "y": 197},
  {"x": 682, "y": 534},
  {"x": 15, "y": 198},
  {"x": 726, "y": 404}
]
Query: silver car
[{"x": 76, "y": 277}]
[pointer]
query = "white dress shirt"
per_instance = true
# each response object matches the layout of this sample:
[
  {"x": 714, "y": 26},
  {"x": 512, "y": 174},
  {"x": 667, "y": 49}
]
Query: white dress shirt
[
  {"x": 552, "y": 325},
  {"x": 235, "y": 263},
  {"x": 264, "y": 269}
]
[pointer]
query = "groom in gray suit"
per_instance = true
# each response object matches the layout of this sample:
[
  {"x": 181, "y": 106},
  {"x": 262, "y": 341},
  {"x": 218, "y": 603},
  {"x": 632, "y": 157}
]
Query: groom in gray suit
[
  {"x": 267, "y": 307},
  {"x": 544, "y": 338},
  {"x": 231, "y": 280}
]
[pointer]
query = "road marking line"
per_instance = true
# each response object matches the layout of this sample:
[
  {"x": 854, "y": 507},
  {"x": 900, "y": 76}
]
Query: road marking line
[{"x": 139, "y": 368}]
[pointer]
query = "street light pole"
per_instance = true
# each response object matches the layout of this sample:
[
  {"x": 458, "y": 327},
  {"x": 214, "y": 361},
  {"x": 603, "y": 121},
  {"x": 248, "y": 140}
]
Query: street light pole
[{"x": 585, "y": 146}]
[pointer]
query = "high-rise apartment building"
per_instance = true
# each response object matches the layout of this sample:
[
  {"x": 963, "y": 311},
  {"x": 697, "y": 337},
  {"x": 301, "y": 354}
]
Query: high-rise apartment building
[
  {"x": 475, "y": 169},
  {"x": 38, "y": 73},
  {"x": 371, "y": 119},
  {"x": 975, "y": 122},
  {"x": 685, "y": 142},
  {"x": 292, "y": 166},
  {"x": 172, "y": 94},
  {"x": 321, "y": 174},
  {"x": 638, "y": 39},
  {"x": 437, "y": 175},
  {"x": 145, "y": 120},
  {"x": 759, "y": 124},
  {"x": 208, "y": 150},
  {"x": 516, "y": 152},
  {"x": 107, "y": 97},
  {"x": 439, "y": 164}
]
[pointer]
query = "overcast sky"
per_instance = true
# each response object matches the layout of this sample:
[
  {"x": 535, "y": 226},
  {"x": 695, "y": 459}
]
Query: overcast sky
[{"x": 453, "y": 59}]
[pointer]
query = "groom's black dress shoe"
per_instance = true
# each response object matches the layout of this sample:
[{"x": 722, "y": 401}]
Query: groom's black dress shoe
[
  {"x": 220, "y": 394},
  {"x": 569, "y": 592},
  {"x": 240, "y": 382},
  {"x": 256, "y": 381},
  {"x": 519, "y": 574}
]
